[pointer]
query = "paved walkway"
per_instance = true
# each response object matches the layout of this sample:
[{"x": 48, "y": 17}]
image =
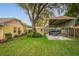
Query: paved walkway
[{"x": 51, "y": 37}]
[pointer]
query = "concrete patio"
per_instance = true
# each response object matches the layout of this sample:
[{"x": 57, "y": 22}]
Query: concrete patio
[{"x": 51, "y": 37}]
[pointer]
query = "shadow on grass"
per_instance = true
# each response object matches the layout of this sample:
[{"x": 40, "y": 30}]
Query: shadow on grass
[{"x": 72, "y": 37}]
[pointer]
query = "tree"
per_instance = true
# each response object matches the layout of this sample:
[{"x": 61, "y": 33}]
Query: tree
[
  {"x": 72, "y": 10},
  {"x": 38, "y": 11}
]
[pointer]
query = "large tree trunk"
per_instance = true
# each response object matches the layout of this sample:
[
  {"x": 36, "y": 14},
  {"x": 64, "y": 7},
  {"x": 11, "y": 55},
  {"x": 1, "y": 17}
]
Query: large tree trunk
[{"x": 33, "y": 27}]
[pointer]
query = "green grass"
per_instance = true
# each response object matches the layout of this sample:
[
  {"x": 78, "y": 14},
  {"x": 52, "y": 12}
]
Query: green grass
[{"x": 41, "y": 46}]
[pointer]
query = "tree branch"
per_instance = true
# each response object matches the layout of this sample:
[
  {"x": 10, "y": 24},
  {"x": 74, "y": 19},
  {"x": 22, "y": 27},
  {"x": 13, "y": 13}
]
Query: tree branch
[
  {"x": 33, "y": 13},
  {"x": 41, "y": 9},
  {"x": 24, "y": 6}
]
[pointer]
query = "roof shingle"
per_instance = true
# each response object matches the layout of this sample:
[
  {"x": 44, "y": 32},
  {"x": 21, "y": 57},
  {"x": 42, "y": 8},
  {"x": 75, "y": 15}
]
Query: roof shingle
[{"x": 5, "y": 20}]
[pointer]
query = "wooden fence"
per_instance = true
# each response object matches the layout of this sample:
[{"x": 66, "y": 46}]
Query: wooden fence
[{"x": 71, "y": 32}]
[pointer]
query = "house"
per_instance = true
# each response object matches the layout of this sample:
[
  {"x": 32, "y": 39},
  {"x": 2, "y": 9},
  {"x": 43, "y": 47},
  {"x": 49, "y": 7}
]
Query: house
[
  {"x": 39, "y": 29},
  {"x": 29, "y": 30},
  {"x": 39, "y": 26},
  {"x": 11, "y": 26}
]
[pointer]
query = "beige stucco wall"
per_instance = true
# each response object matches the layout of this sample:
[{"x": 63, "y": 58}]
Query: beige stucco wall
[
  {"x": 9, "y": 28},
  {"x": 1, "y": 33},
  {"x": 40, "y": 30}
]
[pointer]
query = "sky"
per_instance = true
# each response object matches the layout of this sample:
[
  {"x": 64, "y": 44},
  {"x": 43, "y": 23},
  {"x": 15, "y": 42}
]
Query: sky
[{"x": 14, "y": 11}]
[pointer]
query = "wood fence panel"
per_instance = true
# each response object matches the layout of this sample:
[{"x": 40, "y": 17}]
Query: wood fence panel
[{"x": 70, "y": 32}]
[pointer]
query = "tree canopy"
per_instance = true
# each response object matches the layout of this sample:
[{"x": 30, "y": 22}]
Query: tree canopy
[
  {"x": 72, "y": 9},
  {"x": 37, "y": 11}
]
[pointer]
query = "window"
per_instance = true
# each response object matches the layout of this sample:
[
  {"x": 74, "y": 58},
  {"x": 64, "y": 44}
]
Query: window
[
  {"x": 41, "y": 29},
  {"x": 15, "y": 29},
  {"x": 19, "y": 31}
]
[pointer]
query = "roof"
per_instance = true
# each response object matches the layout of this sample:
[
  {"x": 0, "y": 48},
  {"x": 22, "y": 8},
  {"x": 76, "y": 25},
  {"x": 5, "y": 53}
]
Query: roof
[
  {"x": 62, "y": 17},
  {"x": 6, "y": 20}
]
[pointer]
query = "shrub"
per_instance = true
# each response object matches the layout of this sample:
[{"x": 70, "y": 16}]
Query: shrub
[
  {"x": 37, "y": 35},
  {"x": 29, "y": 34},
  {"x": 15, "y": 36},
  {"x": 8, "y": 36},
  {"x": 34, "y": 35}
]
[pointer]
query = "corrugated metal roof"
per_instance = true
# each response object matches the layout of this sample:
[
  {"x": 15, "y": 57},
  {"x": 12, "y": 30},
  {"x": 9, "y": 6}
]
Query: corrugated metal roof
[{"x": 62, "y": 17}]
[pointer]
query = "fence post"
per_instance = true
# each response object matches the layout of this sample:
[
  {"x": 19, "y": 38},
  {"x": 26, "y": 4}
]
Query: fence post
[{"x": 74, "y": 28}]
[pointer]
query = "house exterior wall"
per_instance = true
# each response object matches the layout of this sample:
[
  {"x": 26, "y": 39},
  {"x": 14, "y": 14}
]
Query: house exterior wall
[
  {"x": 40, "y": 30},
  {"x": 1, "y": 33},
  {"x": 9, "y": 28}
]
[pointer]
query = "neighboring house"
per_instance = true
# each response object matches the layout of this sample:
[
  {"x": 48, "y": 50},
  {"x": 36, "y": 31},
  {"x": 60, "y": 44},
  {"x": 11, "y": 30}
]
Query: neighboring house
[
  {"x": 10, "y": 26},
  {"x": 28, "y": 30},
  {"x": 38, "y": 30}
]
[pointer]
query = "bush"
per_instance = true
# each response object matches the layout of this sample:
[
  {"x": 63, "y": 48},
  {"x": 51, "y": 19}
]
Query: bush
[
  {"x": 37, "y": 35},
  {"x": 16, "y": 36},
  {"x": 29, "y": 34},
  {"x": 8, "y": 36},
  {"x": 34, "y": 35}
]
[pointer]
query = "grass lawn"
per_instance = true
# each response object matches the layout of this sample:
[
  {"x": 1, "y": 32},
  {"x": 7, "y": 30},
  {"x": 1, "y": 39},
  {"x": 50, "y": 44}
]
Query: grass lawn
[{"x": 39, "y": 47}]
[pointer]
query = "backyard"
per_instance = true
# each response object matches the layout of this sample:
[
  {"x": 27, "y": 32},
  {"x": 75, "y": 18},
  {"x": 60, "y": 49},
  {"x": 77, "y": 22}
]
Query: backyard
[{"x": 41, "y": 46}]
